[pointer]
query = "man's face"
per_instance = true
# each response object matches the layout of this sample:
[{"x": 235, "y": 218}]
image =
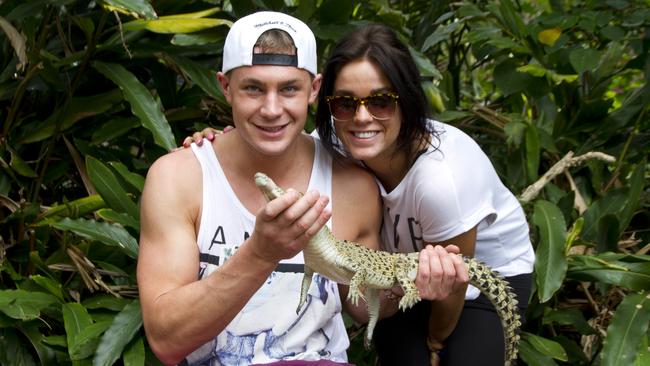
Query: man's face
[{"x": 269, "y": 104}]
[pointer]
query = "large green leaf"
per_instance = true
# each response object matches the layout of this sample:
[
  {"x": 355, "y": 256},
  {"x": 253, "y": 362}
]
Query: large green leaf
[
  {"x": 306, "y": 8},
  {"x": 608, "y": 233},
  {"x": 123, "y": 219},
  {"x": 198, "y": 38},
  {"x": 32, "y": 331},
  {"x": 54, "y": 287},
  {"x": 114, "y": 128},
  {"x": 143, "y": 105},
  {"x": 124, "y": 327},
  {"x": 613, "y": 203},
  {"x": 85, "y": 342},
  {"x": 510, "y": 79},
  {"x": 442, "y": 33},
  {"x": 134, "y": 179},
  {"x": 550, "y": 264},
  {"x": 643, "y": 356},
  {"x": 532, "y": 356},
  {"x": 545, "y": 346},
  {"x": 75, "y": 320},
  {"x": 109, "y": 188},
  {"x": 426, "y": 67},
  {"x": 636, "y": 183},
  {"x": 176, "y": 25},
  {"x": 134, "y": 354},
  {"x": 206, "y": 79},
  {"x": 584, "y": 59},
  {"x": 625, "y": 331},
  {"x": 179, "y": 23},
  {"x": 569, "y": 317},
  {"x": 13, "y": 352},
  {"x": 109, "y": 234},
  {"x": 76, "y": 208},
  {"x": 103, "y": 301},
  {"x": 512, "y": 21},
  {"x": 135, "y": 8},
  {"x": 610, "y": 270},
  {"x": 19, "y": 165},
  {"x": 25, "y": 305}
]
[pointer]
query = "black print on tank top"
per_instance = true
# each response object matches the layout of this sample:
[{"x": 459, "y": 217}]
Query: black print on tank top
[{"x": 218, "y": 238}]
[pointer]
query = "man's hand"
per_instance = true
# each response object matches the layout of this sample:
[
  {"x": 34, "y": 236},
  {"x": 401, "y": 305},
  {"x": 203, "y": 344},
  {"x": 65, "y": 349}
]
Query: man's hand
[
  {"x": 440, "y": 272},
  {"x": 284, "y": 226}
]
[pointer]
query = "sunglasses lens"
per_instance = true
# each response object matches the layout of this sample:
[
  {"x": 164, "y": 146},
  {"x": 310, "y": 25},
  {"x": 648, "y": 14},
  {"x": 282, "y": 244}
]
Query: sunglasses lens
[
  {"x": 343, "y": 108},
  {"x": 381, "y": 106}
]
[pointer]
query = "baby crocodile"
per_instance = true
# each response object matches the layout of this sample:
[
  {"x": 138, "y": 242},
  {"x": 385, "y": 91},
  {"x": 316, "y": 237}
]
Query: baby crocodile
[{"x": 359, "y": 267}]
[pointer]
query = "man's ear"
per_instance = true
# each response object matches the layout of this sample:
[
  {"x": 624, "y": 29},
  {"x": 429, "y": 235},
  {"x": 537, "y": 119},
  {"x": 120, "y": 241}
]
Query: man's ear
[
  {"x": 315, "y": 87},
  {"x": 225, "y": 85}
]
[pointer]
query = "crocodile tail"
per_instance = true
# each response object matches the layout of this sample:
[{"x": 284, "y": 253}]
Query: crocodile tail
[{"x": 499, "y": 292}]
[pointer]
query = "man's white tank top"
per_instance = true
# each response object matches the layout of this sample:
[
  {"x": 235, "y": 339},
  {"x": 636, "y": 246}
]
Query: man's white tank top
[{"x": 267, "y": 328}]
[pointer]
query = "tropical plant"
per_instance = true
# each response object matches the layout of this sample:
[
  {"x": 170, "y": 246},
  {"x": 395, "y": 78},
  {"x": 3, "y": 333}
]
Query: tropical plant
[
  {"x": 93, "y": 92},
  {"x": 536, "y": 85}
]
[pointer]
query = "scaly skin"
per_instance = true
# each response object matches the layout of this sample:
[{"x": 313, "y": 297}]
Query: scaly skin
[{"x": 360, "y": 267}]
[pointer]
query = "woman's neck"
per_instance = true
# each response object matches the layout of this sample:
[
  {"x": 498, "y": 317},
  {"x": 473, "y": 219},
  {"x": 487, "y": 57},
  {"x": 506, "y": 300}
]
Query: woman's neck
[{"x": 391, "y": 168}]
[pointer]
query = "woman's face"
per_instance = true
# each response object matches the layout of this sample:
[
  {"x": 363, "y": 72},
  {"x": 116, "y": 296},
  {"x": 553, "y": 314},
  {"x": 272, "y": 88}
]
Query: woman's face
[{"x": 364, "y": 136}]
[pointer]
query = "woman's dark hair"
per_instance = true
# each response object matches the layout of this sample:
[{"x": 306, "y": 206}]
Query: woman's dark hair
[{"x": 380, "y": 45}]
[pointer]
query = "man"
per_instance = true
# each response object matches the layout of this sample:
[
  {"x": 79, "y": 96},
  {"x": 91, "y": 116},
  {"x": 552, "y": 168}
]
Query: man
[{"x": 219, "y": 269}]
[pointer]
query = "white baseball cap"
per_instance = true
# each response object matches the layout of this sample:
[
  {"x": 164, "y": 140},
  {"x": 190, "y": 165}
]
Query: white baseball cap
[{"x": 241, "y": 39}]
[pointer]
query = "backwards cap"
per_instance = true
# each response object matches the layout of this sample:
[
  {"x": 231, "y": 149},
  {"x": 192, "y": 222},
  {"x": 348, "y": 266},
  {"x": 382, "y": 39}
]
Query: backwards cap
[{"x": 241, "y": 39}]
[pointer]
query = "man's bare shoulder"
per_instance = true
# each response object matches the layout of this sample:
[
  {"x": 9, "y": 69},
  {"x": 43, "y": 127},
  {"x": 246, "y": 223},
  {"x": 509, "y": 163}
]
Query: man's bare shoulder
[
  {"x": 175, "y": 163},
  {"x": 174, "y": 178}
]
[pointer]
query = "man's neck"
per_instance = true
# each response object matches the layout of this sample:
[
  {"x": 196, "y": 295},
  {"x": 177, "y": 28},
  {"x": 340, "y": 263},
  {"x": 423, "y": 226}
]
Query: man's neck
[{"x": 239, "y": 161}]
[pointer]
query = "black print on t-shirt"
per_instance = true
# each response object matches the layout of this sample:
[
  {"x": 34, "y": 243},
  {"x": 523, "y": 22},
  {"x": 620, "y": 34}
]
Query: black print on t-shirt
[
  {"x": 395, "y": 235},
  {"x": 414, "y": 228},
  {"x": 413, "y": 224}
]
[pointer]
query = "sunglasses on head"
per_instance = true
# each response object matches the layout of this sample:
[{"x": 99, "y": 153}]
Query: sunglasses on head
[{"x": 380, "y": 106}]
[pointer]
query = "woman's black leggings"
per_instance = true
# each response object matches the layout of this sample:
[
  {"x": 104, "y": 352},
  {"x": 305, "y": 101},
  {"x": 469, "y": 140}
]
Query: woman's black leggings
[{"x": 401, "y": 340}]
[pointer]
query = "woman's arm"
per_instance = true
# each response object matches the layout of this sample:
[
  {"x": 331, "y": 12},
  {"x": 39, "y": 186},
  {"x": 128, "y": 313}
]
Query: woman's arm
[{"x": 445, "y": 313}]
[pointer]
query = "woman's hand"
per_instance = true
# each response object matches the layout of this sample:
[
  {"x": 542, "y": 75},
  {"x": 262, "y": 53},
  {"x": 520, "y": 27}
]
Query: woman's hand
[
  {"x": 207, "y": 133},
  {"x": 441, "y": 272}
]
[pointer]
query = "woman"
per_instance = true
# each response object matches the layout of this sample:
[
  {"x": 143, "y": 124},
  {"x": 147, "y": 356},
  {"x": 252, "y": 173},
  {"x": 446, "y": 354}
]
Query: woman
[{"x": 437, "y": 187}]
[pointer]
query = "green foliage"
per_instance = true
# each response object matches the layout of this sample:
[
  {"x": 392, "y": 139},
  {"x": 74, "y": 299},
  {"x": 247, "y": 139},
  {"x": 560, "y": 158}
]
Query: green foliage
[{"x": 93, "y": 92}]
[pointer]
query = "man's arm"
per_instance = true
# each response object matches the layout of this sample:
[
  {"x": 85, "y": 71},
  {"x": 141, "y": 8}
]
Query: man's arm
[{"x": 181, "y": 313}]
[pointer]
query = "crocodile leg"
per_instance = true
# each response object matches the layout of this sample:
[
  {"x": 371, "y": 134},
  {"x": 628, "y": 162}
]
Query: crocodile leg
[
  {"x": 306, "y": 282},
  {"x": 372, "y": 302},
  {"x": 405, "y": 276},
  {"x": 357, "y": 280}
]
